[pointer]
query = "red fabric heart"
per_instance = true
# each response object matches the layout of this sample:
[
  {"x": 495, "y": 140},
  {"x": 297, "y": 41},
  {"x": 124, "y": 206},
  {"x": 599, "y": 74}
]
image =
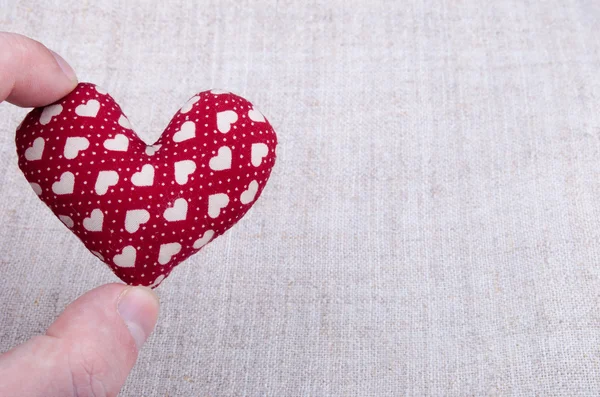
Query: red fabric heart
[{"x": 143, "y": 209}]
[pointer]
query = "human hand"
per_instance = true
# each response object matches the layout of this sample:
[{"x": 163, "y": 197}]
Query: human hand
[{"x": 90, "y": 349}]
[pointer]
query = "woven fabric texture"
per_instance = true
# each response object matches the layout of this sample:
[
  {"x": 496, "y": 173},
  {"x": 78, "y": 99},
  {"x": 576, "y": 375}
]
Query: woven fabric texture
[{"x": 431, "y": 226}]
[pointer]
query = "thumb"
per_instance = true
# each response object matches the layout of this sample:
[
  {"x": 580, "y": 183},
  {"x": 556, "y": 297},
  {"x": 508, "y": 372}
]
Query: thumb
[
  {"x": 88, "y": 351},
  {"x": 31, "y": 74}
]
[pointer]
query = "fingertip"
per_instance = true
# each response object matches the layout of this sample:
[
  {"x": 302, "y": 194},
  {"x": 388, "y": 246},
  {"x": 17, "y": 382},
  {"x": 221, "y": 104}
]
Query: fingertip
[
  {"x": 107, "y": 326},
  {"x": 32, "y": 75},
  {"x": 112, "y": 304},
  {"x": 89, "y": 350},
  {"x": 65, "y": 67},
  {"x": 139, "y": 307}
]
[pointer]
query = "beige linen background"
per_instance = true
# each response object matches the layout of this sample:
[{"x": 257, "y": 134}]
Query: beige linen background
[{"x": 432, "y": 225}]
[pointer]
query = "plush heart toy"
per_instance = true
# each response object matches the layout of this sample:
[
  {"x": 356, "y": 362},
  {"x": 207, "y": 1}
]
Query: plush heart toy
[{"x": 142, "y": 209}]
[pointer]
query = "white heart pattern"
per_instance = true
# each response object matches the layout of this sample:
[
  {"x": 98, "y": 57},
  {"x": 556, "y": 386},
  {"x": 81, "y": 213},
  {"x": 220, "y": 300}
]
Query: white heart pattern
[
  {"x": 65, "y": 184},
  {"x": 36, "y": 188},
  {"x": 190, "y": 104},
  {"x": 94, "y": 222},
  {"x": 49, "y": 112},
  {"x": 105, "y": 180},
  {"x": 36, "y": 150},
  {"x": 151, "y": 149},
  {"x": 259, "y": 151},
  {"x": 225, "y": 120},
  {"x": 145, "y": 177},
  {"x": 134, "y": 218},
  {"x": 178, "y": 212},
  {"x": 255, "y": 115},
  {"x": 182, "y": 171},
  {"x": 248, "y": 196},
  {"x": 216, "y": 202},
  {"x": 205, "y": 239},
  {"x": 119, "y": 143},
  {"x": 90, "y": 109},
  {"x": 222, "y": 161},
  {"x": 124, "y": 122},
  {"x": 187, "y": 131},
  {"x": 126, "y": 258},
  {"x": 167, "y": 251},
  {"x": 74, "y": 145},
  {"x": 67, "y": 220}
]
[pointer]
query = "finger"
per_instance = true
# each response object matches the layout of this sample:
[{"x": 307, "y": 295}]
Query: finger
[
  {"x": 31, "y": 74},
  {"x": 88, "y": 351}
]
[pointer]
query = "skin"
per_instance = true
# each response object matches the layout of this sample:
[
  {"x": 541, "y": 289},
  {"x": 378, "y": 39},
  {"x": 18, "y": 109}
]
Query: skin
[{"x": 92, "y": 346}]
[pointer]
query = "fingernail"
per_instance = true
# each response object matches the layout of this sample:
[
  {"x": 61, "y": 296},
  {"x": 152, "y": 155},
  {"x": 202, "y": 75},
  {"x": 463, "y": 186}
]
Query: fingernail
[
  {"x": 138, "y": 307},
  {"x": 66, "y": 68}
]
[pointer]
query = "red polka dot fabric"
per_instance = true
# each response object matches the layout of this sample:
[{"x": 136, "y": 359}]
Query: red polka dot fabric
[{"x": 142, "y": 209}]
